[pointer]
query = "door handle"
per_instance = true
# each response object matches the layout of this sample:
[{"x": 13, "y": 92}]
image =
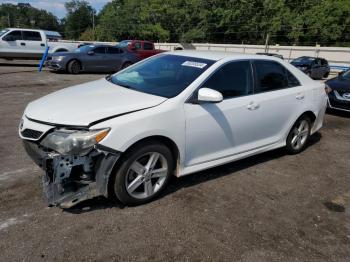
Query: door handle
[
  {"x": 300, "y": 96},
  {"x": 253, "y": 106},
  {"x": 23, "y": 43},
  {"x": 42, "y": 44}
]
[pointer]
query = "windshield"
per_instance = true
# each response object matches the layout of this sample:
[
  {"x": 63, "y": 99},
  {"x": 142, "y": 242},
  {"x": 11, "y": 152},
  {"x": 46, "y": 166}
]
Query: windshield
[
  {"x": 346, "y": 74},
  {"x": 303, "y": 59},
  {"x": 165, "y": 75},
  {"x": 84, "y": 49},
  {"x": 124, "y": 43},
  {"x": 2, "y": 32}
]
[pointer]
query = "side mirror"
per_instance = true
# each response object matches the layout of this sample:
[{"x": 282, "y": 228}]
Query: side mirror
[
  {"x": 340, "y": 73},
  {"x": 91, "y": 52},
  {"x": 209, "y": 95}
]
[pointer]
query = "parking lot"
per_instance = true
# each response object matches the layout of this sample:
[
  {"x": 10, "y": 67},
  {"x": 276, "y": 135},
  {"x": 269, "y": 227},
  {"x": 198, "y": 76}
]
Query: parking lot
[{"x": 270, "y": 207}]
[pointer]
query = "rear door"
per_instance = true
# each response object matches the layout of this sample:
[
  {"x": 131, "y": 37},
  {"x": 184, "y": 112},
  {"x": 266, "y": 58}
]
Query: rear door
[
  {"x": 279, "y": 98},
  {"x": 114, "y": 58},
  {"x": 11, "y": 44},
  {"x": 148, "y": 49},
  {"x": 34, "y": 43}
]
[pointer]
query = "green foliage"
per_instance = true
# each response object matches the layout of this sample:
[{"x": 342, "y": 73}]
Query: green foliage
[
  {"x": 24, "y": 15},
  {"x": 79, "y": 18},
  {"x": 301, "y": 22}
]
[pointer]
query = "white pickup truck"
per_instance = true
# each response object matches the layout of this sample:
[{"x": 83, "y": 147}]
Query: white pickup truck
[{"x": 20, "y": 43}]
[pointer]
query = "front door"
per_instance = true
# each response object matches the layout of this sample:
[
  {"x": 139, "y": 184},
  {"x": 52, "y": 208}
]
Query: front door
[
  {"x": 95, "y": 62},
  {"x": 11, "y": 44},
  {"x": 217, "y": 130}
]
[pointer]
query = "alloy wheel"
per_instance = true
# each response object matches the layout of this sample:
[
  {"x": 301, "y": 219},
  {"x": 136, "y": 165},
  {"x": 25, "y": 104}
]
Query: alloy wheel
[
  {"x": 146, "y": 175},
  {"x": 300, "y": 135}
]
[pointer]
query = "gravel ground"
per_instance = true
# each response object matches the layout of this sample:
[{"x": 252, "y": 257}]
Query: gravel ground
[{"x": 270, "y": 207}]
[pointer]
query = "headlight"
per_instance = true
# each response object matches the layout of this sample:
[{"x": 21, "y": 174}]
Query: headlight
[
  {"x": 73, "y": 142},
  {"x": 302, "y": 68},
  {"x": 57, "y": 58}
]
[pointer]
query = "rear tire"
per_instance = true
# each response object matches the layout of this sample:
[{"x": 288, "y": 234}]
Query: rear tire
[
  {"x": 143, "y": 173},
  {"x": 299, "y": 135},
  {"x": 74, "y": 67}
]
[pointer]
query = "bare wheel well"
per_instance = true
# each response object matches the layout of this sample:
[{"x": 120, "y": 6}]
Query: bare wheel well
[{"x": 310, "y": 115}]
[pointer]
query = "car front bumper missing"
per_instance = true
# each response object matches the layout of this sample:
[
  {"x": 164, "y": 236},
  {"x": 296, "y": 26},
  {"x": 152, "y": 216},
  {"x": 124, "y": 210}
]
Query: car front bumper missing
[{"x": 69, "y": 180}]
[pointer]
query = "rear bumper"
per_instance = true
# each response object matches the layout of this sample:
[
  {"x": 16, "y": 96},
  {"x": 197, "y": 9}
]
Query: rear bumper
[{"x": 69, "y": 180}]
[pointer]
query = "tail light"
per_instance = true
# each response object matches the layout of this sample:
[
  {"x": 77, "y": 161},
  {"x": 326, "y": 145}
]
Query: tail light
[{"x": 328, "y": 89}]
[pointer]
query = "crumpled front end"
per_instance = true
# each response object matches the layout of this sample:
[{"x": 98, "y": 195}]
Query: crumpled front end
[{"x": 70, "y": 177}]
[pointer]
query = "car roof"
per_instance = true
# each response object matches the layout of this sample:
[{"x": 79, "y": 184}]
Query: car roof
[{"x": 218, "y": 55}]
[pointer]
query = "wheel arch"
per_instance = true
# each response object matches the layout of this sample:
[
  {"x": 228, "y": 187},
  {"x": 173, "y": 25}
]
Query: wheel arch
[
  {"x": 310, "y": 115},
  {"x": 160, "y": 139},
  {"x": 60, "y": 50},
  {"x": 74, "y": 59}
]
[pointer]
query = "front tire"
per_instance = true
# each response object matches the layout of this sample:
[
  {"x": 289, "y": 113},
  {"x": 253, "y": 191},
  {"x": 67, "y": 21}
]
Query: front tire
[
  {"x": 74, "y": 67},
  {"x": 143, "y": 173},
  {"x": 299, "y": 135}
]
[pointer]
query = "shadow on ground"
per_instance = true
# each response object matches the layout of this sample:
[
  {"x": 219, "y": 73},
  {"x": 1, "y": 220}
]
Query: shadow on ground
[{"x": 193, "y": 179}]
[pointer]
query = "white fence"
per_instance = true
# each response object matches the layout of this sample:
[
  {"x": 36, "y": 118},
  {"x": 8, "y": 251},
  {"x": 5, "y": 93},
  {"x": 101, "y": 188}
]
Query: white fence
[{"x": 337, "y": 56}]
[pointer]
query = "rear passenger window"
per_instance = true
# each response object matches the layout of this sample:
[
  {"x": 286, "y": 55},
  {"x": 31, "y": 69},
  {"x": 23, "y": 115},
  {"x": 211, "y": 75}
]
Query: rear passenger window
[
  {"x": 113, "y": 50},
  {"x": 13, "y": 36},
  {"x": 271, "y": 76},
  {"x": 137, "y": 45},
  {"x": 31, "y": 36},
  {"x": 147, "y": 46},
  {"x": 99, "y": 50},
  {"x": 232, "y": 80}
]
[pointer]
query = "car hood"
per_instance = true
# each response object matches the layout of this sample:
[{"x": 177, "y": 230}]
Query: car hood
[
  {"x": 339, "y": 84},
  {"x": 87, "y": 103}
]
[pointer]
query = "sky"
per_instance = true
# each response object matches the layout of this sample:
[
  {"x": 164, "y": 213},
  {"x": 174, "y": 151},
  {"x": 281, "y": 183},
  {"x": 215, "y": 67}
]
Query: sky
[{"x": 56, "y": 6}]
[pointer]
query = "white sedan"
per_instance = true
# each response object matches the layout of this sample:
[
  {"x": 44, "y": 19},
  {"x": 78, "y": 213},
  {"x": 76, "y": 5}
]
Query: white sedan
[{"x": 176, "y": 113}]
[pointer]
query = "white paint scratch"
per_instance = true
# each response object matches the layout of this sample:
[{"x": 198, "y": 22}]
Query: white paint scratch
[
  {"x": 9, "y": 222},
  {"x": 15, "y": 173}
]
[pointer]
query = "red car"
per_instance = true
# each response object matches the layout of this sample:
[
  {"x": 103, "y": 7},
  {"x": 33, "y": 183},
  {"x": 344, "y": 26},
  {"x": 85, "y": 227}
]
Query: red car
[{"x": 143, "y": 48}]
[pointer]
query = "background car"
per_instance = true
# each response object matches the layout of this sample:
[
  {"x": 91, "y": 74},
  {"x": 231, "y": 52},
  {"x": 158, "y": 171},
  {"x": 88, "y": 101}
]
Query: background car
[
  {"x": 143, "y": 49},
  {"x": 338, "y": 90},
  {"x": 92, "y": 58},
  {"x": 272, "y": 54},
  {"x": 315, "y": 67}
]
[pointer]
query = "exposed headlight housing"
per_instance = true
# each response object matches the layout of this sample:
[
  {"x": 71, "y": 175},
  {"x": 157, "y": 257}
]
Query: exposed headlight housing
[
  {"x": 73, "y": 142},
  {"x": 57, "y": 58}
]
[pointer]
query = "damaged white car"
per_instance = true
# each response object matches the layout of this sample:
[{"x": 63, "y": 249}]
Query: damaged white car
[{"x": 176, "y": 113}]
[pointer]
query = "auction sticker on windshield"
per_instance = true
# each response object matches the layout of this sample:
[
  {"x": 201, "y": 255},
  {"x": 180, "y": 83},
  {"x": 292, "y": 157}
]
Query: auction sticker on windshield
[{"x": 194, "y": 64}]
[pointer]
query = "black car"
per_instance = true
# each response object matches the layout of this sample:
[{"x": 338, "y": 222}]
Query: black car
[
  {"x": 272, "y": 54},
  {"x": 338, "y": 90},
  {"x": 315, "y": 67},
  {"x": 92, "y": 58}
]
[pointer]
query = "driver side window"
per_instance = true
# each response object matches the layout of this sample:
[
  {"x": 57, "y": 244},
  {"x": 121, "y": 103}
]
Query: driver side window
[
  {"x": 232, "y": 80},
  {"x": 13, "y": 36}
]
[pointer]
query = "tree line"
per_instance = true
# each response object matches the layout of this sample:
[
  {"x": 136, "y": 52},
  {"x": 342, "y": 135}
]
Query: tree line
[{"x": 287, "y": 22}]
